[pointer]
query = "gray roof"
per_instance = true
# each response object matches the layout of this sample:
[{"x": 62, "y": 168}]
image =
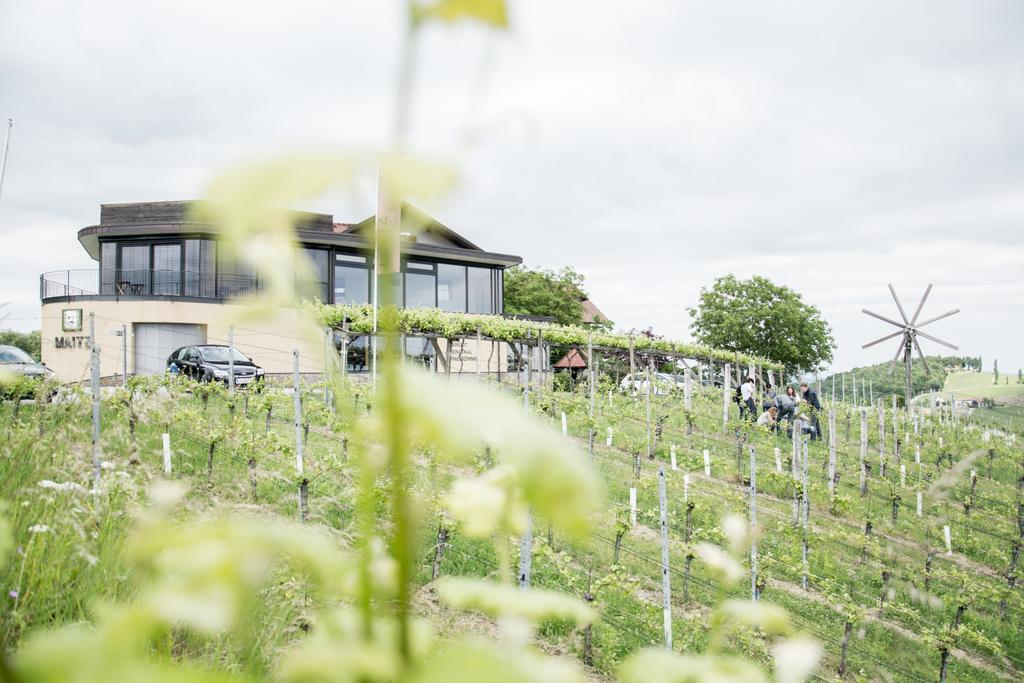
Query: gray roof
[{"x": 176, "y": 218}]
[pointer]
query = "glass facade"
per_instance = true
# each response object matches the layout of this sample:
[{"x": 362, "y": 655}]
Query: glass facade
[
  {"x": 420, "y": 285},
  {"x": 200, "y": 267},
  {"x": 108, "y": 267},
  {"x": 451, "y": 287},
  {"x": 167, "y": 269},
  {"x": 133, "y": 273},
  {"x": 318, "y": 270},
  {"x": 351, "y": 279},
  {"x": 480, "y": 285},
  {"x": 196, "y": 267}
]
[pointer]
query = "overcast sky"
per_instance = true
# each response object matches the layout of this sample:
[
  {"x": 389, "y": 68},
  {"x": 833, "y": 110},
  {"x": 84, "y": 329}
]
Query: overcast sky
[{"x": 830, "y": 146}]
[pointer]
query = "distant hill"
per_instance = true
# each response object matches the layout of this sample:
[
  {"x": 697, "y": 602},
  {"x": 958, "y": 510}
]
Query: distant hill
[
  {"x": 979, "y": 385},
  {"x": 883, "y": 384}
]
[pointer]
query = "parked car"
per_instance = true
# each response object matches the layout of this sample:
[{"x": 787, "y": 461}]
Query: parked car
[
  {"x": 13, "y": 359},
  {"x": 22, "y": 376},
  {"x": 212, "y": 362},
  {"x": 664, "y": 383}
]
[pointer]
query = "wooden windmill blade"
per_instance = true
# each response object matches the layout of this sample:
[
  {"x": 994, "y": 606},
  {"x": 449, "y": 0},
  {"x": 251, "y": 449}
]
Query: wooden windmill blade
[
  {"x": 921, "y": 305},
  {"x": 920, "y": 354},
  {"x": 909, "y": 330}
]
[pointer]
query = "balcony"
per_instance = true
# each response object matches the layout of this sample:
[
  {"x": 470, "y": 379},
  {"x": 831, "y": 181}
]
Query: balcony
[{"x": 116, "y": 284}]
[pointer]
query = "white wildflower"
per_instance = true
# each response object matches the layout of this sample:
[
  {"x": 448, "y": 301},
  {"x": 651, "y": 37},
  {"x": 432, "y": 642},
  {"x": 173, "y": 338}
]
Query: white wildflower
[
  {"x": 61, "y": 486},
  {"x": 88, "y": 557},
  {"x": 39, "y": 529},
  {"x": 107, "y": 465}
]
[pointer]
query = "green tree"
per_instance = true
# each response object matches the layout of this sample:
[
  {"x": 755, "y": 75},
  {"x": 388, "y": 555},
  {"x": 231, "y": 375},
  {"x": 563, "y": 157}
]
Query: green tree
[
  {"x": 557, "y": 294},
  {"x": 759, "y": 317},
  {"x": 995, "y": 371},
  {"x": 28, "y": 342}
]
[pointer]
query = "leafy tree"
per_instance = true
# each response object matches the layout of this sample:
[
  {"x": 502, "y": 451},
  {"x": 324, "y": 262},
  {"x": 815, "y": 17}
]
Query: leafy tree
[
  {"x": 28, "y": 342},
  {"x": 759, "y": 317},
  {"x": 557, "y": 294}
]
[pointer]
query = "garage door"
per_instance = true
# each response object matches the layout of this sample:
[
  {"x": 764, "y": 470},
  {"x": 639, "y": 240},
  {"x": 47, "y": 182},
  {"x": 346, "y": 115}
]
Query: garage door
[{"x": 155, "y": 341}]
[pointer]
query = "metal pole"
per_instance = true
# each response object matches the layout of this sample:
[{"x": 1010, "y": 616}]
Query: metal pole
[
  {"x": 593, "y": 380},
  {"x": 832, "y": 454},
  {"x": 665, "y": 578},
  {"x": 231, "y": 359},
  {"x": 807, "y": 513},
  {"x": 725, "y": 396},
  {"x": 650, "y": 381},
  {"x": 124, "y": 356},
  {"x": 753, "y": 524},
  {"x": 526, "y": 540},
  {"x": 7, "y": 147},
  {"x": 863, "y": 450},
  {"x": 94, "y": 357},
  {"x": 526, "y": 553},
  {"x": 297, "y": 396}
]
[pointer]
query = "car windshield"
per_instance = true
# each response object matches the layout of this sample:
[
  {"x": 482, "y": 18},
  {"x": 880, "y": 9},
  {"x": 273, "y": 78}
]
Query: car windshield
[
  {"x": 14, "y": 355},
  {"x": 219, "y": 354}
]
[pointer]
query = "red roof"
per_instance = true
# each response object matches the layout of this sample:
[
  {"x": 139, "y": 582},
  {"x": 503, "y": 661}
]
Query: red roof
[{"x": 573, "y": 360}]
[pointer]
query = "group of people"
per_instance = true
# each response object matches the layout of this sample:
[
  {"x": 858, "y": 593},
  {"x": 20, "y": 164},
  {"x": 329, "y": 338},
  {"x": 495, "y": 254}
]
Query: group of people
[{"x": 778, "y": 408}]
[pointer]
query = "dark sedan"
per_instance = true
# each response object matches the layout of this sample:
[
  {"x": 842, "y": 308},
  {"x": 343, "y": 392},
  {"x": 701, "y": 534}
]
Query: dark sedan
[{"x": 210, "y": 363}]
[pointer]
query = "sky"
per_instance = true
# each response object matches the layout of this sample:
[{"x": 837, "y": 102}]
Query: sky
[{"x": 833, "y": 146}]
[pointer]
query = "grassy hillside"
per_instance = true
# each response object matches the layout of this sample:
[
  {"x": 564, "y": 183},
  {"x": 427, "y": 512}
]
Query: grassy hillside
[
  {"x": 895, "y": 586},
  {"x": 979, "y": 385}
]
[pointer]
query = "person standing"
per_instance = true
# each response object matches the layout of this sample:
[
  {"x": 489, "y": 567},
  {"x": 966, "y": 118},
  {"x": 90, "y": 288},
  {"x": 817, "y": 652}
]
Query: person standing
[
  {"x": 815, "y": 405},
  {"x": 747, "y": 403}
]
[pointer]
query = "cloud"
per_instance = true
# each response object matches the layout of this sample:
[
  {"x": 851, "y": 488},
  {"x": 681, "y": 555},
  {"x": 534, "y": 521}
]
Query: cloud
[{"x": 833, "y": 147}]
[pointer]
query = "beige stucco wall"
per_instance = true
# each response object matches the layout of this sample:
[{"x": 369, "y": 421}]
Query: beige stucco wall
[{"x": 268, "y": 339}]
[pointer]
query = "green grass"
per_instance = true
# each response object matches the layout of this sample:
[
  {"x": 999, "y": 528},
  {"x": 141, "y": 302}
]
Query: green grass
[
  {"x": 58, "y": 583},
  {"x": 979, "y": 385}
]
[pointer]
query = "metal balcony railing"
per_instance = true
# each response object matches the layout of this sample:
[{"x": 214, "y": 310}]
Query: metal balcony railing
[{"x": 144, "y": 282}]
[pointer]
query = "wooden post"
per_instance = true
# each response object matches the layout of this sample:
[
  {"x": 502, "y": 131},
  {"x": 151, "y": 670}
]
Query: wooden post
[
  {"x": 753, "y": 524},
  {"x": 297, "y": 403},
  {"x": 832, "y": 454},
  {"x": 593, "y": 381},
  {"x": 167, "y": 452},
  {"x": 231, "y": 359},
  {"x": 725, "y": 396},
  {"x": 526, "y": 553},
  {"x": 665, "y": 578},
  {"x": 806, "y": 515},
  {"x": 94, "y": 386}
]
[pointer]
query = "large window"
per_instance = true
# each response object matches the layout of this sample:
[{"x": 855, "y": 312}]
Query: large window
[
  {"x": 167, "y": 269},
  {"x": 234, "y": 276},
  {"x": 108, "y": 267},
  {"x": 451, "y": 287},
  {"x": 351, "y": 279},
  {"x": 420, "y": 285},
  {"x": 200, "y": 267},
  {"x": 133, "y": 275},
  {"x": 480, "y": 287},
  {"x": 318, "y": 262}
]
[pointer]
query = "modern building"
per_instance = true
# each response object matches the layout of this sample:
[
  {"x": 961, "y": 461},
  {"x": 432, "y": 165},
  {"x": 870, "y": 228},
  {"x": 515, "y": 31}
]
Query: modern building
[{"x": 163, "y": 280}]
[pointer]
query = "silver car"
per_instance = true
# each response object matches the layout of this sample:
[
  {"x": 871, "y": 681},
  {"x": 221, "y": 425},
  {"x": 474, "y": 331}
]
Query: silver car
[{"x": 13, "y": 359}]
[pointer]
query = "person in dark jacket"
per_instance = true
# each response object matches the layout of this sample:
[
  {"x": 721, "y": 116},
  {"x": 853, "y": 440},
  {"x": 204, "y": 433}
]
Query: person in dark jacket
[{"x": 812, "y": 400}]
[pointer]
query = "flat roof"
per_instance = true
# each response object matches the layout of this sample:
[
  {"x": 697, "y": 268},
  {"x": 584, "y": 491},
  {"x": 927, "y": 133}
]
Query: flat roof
[{"x": 176, "y": 219}]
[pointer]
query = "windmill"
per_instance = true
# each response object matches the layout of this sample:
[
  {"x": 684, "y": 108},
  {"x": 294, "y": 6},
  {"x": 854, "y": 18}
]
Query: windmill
[{"x": 908, "y": 333}]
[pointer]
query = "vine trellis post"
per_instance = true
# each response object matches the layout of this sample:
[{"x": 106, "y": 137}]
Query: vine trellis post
[
  {"x": 593, "y": 380},
  {"x": 665, "y": 578},
  {"x": 94, "y": 387},
  {"x": 725, "y": 396},
  {"x": 753, "y": 524}
]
